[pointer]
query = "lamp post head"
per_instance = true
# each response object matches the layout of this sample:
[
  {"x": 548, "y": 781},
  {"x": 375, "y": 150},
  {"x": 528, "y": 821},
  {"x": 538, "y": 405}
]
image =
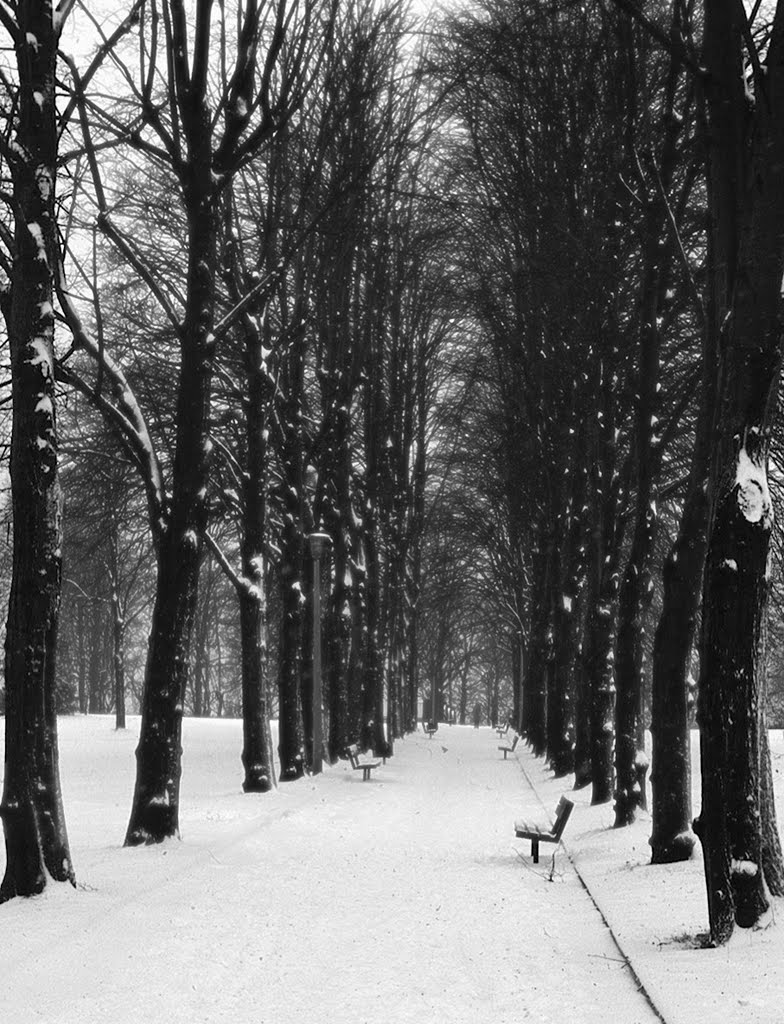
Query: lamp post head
[{"x": 320, "y": 543}]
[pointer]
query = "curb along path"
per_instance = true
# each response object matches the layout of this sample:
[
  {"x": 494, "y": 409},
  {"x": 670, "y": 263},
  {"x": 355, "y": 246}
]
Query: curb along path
[
  {"x": 658, "y": 915},
  {"x": 565, "y": 845}
]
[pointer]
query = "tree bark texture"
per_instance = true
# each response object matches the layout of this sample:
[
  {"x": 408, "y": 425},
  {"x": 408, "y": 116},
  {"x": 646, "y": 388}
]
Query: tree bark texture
[
  {"x": 630, "y": 760},
  {"x": 571, "y": 564},
  {"x": 36, "y": 839},
  {"x": 155, "y": 810},
  {"x": 257, "y": 739},
  {"x": 535, "y": 678},
  {"x": 290, "y": 738},
  {"x": 601, "y": 612},
  {"x": 672, "y": 838},
  {"x": 746, "y": 194},
  {"x": 118, "y": 631}
]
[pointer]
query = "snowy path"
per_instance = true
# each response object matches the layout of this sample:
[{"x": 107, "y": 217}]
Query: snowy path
[{"x": 391, "y": 901}]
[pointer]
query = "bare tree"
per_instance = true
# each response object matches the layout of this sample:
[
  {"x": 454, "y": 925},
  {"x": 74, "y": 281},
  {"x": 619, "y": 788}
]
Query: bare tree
[
  {"x": 201, "y": 131},
  {"x": 736, "y": 826},
  {"x": 33, "y": 819}
]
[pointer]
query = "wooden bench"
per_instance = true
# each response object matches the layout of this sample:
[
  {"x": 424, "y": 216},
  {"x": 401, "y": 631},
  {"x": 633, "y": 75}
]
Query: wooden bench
[
  {"x": 540, "y": 835},
  {"x": 430, "y": 728},
  {"x": 366, "y": 767},
  {"x": 510, "y": 750},
  {"x": 502, "y": 730}
]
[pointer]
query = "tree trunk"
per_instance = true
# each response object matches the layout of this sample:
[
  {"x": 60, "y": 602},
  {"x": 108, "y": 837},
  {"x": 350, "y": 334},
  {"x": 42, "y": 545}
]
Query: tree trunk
[
  {"x": 36, "y": 839},
  {"x": 155, "y": 809},
  {"x": 535, "y": 680},
  {"x": 97, "y": 634},
  {"x": 672, "y": 838},
  {"x": 746, "y": 195},
  {"x": 290, "y": 741},
  {"x": 630, "y": 760},
  {"x": 337, "y": 640},
  {"x": 516, "y": 642},
  {"x": 118, "y": 632},
  {"x": 256, "y": 735},
  {"x": 600, "y": 686},
  {"x": 373, "y": 734},
  {"x": 81, "y": 657},
  {"x": 257, "y": 738},
  {"x": 561, "y": 713},
  {"x": 337, "y": 648},
  {"x": 729, "y": 825}
]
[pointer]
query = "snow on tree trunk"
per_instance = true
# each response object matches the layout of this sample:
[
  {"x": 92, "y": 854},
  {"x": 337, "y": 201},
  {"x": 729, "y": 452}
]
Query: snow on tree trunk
[
  {"x": 338, "y": 523},
  {"x": 155, "y": 810},
  {"x": 561, "y": 710},
  {"x": 746, "y": 160},
  {"x": 36, "y": 839},
  {"x": 290, "y": 741},
  {"x": 735, "y": 596},
  {"x": 672, "y": 838},
  {"x": 257, "y": 738}
]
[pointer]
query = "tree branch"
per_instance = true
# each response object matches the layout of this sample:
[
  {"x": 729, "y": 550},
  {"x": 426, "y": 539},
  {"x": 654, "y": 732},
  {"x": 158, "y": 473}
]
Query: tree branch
[{"x": 674, "y": 46}]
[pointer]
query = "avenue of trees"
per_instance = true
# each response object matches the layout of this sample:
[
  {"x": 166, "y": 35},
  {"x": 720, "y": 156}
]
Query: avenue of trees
[{"x": 491, "y": 299}]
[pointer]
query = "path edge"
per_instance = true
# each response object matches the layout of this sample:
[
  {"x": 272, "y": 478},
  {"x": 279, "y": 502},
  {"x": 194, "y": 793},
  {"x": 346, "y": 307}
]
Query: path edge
[{"x": 641, "y": 987}]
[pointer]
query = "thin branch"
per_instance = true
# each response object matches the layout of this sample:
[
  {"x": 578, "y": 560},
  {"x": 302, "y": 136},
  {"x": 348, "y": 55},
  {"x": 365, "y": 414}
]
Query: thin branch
[
  {"x": 106, "y": 48},
  {"x": 148, "y": 276},
  {"x": 60, "y": 15},
  {"x": 674, "y": 46},
  {"x": 125, "y": 412},
  {"x": 693, "y": 289}
]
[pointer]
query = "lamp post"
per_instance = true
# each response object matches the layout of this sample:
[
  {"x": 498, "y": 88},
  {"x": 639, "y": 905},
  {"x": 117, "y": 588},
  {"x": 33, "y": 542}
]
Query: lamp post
[{"x": 319, "y": 545}]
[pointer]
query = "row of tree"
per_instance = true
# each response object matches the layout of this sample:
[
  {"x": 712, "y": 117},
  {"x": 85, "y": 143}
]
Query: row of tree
[
  {"x": 237, "y": 312},
  {"x": 616, "y": 171},
  {"x": 495, "y": 306}
]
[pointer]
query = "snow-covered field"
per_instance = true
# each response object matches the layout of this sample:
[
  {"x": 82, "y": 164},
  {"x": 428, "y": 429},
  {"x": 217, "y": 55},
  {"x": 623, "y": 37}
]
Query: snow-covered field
[{"x": 406, "y": 898}]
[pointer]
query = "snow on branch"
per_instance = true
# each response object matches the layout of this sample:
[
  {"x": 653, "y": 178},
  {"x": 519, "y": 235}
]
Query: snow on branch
[
  {"x": 60, "y": 15},
  {"x": 124, "y": 412},
  {"x": 240, "y": 582}
]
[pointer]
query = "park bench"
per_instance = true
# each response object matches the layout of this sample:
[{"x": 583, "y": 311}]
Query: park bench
[
  {"x": 540, "y": 835},
  {"x": 509, "y": 750},
  {"x": 430, "y": 728},
  {"x": 502, "y": 730},
  {"x": 366, "y": 767}
]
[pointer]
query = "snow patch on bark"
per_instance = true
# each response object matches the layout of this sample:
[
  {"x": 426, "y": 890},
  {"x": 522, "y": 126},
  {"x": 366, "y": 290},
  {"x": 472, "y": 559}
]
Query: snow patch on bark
[
  {"x": 744, "y": 867},
  {"x": 41, "y": 355},
  {"x": 753, "y": 495}
]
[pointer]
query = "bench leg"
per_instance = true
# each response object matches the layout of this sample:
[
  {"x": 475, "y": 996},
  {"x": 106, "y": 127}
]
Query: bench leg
[
  {"x": 505, "y": 753},
  {"x": 535, "y": 850},
  {"x": 365, "y": 774}
]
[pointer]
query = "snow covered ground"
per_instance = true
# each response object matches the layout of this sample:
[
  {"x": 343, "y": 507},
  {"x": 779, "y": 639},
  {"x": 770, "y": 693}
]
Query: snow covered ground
[
  {"x": 657, "y": 913},
  {"x": 405, "y": 898}
]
